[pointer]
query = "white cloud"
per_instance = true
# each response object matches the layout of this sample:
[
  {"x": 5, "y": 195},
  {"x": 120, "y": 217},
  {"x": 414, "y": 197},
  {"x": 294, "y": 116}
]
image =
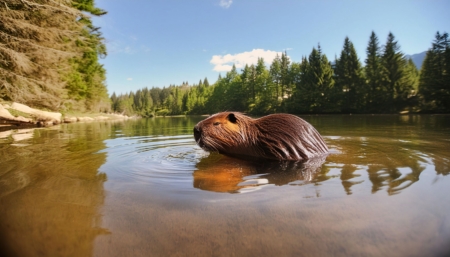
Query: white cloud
[
  {"x": 225, "y": 3},
  {"x": 129, "y": 79},
  {"x": 225, "y": 62}
]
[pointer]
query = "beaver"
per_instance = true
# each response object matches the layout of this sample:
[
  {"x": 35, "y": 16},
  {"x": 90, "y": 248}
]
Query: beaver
[{"x": 276, "y": 136}]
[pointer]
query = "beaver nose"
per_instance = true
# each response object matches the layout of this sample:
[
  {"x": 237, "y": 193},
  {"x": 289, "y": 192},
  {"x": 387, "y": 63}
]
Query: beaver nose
[{"x": 197, "y": 133}]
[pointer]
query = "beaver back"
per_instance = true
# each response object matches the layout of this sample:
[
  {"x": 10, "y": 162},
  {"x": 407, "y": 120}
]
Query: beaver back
[{"x": 288, "y": 137}]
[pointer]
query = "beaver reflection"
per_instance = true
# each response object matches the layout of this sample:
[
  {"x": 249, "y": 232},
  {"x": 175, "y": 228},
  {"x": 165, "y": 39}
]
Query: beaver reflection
[{"x": 220, "y": 173}]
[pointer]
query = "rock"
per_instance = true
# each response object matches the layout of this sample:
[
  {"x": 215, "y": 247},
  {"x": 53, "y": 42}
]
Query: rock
[
  {"x": 40, "y": 115},
  {"x": 5, "y": 114},
  {"x": 120, "y": 116},
  {"x": 22, "y": 119},
  {"x": 43, "y": 123},
  {"x": 85, "y": 119},
  {"x": 101, "y": 118},
  {"x": 70, "y": 119}
]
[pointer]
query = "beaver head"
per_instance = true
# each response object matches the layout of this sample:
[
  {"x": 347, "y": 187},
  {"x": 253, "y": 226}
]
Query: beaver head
[{"x": 225, "y": 132}]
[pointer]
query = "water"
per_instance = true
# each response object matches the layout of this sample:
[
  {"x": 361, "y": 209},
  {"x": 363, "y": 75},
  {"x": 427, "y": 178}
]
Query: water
[{"x": 143, "y": 188}]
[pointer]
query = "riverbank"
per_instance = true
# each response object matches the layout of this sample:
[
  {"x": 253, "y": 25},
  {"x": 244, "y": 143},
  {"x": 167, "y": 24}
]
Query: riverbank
[{"x": 19, "y": 116}]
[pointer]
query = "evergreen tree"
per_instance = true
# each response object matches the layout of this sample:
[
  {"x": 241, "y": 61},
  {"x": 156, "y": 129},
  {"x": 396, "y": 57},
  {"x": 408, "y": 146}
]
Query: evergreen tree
[
  {"x": 216, "y": 101},
  {"x": 393, "y": 66},
  {"x": 411, "y": 81},
  {"x": 155, "y": 94},
  {"x": 274, "y": 87},
  {"x": 292, "y": 103},
  {"x": 263, "y": 90},
  {"x": 114, "y": 102},
  {"x": 285, "y": 76},
  {"x": 315, "y": 89},
  {"x": 49, "y": 55},
  {"x": 252, "y": 84},
  {"x": 184, "y": 103},
  {"x": 373, "y": 74},
  {"x": 349, "y": 85},
  {"x": 434, "y": 85},
  {"x": 205, "y": 82},
  {"x": 245, "y": 85},
  {"x": 235, "y": 95},
  {"x": 262, "y": 76}
]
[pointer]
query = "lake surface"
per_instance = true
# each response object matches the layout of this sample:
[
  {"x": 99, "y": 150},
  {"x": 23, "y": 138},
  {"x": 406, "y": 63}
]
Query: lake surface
[{"x": 143, "y": 188}]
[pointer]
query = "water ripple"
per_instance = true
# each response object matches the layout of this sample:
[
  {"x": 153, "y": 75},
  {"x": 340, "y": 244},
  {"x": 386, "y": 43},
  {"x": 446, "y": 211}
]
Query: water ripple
[{"x": 159, "y": 160}]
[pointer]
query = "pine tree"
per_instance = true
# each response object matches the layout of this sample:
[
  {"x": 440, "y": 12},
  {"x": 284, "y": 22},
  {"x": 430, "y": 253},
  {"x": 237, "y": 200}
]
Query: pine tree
[
  {"x": 285, "y": 76},
  {"x": 245, "y": 84},
  {"x": 235, "y": 95},
  {"x": 252, "y": 84},
  {"x": 411, "y": 81},
  {"x": 373, "y": 74},
  {"x": 262, "y": 76},
  {"x": 292, "y": 103},
  {"x": 205, "y": 82},
  {"x": 263, "y": 91},
  {"x": 393, "y": 67},
  {"x": 114, "y": 102},
  {"x": 434, "y": 84},
  {"x": 275, "y": 77},
  {"x": 349, "y": 79},
  {"x": 316, "y": 85},
  {"x": 49, "y": 55}
]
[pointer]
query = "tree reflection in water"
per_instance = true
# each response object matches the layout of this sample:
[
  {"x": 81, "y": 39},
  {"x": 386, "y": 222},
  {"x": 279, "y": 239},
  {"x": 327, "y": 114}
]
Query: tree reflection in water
[
  {"x": 388, "y": 163},
  {"x": 51, "y": 191}
]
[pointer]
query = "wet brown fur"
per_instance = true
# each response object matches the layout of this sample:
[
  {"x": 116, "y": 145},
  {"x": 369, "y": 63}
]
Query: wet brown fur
[{"x": 276, "y": 136}]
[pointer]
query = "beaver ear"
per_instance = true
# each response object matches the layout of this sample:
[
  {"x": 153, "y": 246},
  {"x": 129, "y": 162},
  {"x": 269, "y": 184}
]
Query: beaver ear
[{"x": 232, "y": 118}]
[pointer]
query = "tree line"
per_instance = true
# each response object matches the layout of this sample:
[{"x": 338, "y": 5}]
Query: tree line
[
  {"x": 387, "y": 83},
  {"x": 49, "y": 52}
]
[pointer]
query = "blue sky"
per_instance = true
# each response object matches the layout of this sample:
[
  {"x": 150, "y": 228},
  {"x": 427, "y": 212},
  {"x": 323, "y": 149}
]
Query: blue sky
[{"x": 156, "y": 43}]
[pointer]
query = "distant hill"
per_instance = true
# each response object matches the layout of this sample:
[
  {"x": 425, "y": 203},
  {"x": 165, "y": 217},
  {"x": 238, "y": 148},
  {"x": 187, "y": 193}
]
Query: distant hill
[{"x": 417, "y": 58}]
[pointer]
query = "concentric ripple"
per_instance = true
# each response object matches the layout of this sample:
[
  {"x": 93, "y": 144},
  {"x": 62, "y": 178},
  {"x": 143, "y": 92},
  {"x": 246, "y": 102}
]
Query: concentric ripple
[{"x": 158, "y": 160}]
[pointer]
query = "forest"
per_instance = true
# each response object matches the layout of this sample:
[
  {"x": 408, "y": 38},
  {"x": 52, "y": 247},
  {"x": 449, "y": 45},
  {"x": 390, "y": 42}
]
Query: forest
[
  {"x": 50, "y": 52},
  {"x": 49, "y": 55},
  {"x": 386, "y": 83}
]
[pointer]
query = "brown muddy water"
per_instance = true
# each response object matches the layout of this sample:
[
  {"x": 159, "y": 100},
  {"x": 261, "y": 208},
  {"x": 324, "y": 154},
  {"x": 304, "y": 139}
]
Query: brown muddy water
[{"x": 143, "y": 188}]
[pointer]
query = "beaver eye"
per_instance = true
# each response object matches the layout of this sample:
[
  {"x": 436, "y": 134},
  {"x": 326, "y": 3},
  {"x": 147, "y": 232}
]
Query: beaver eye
[{"x": 216, "y": 123}]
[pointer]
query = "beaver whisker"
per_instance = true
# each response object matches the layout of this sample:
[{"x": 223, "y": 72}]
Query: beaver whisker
[{"x": 211, "y": 145}]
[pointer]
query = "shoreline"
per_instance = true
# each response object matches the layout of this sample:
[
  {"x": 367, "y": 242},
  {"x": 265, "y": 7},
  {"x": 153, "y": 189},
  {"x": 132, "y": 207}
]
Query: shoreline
[{"x": 19, "y": 116}]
